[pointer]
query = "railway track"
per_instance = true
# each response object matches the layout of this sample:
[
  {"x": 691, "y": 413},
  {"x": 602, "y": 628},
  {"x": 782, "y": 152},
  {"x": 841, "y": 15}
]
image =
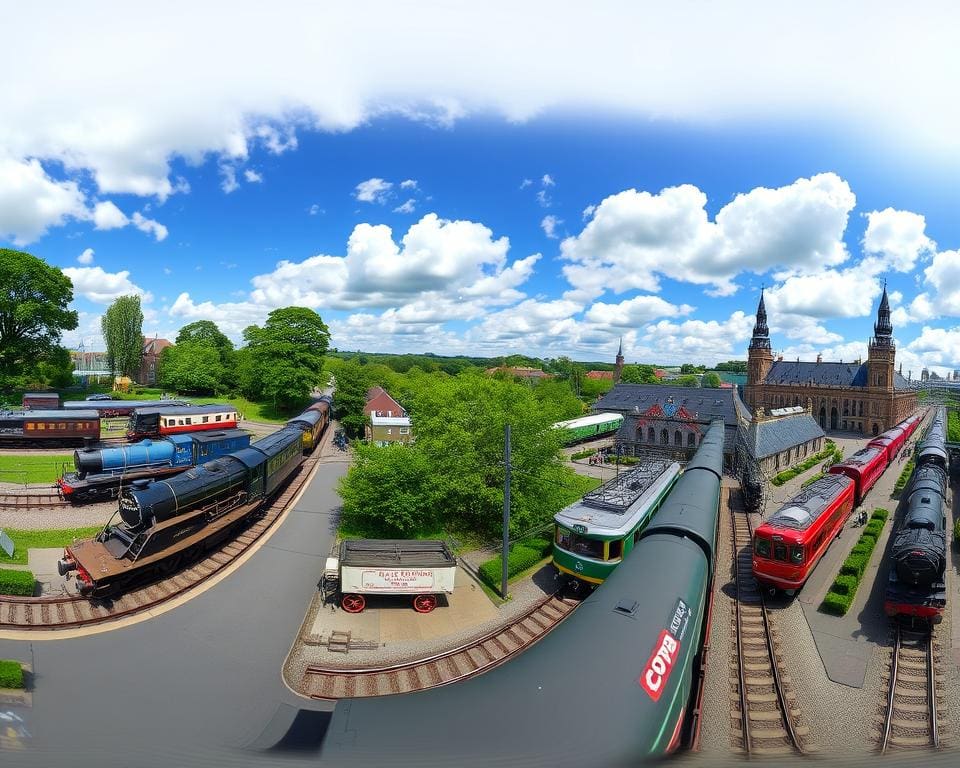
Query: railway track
[
  {"x": 474, "y": 658},
  {"x": 38, "y": 499},
  {"x": 911, "y": 707},
  {"x": 67, "y": 611},
  {"x": 764, "y": 713}
]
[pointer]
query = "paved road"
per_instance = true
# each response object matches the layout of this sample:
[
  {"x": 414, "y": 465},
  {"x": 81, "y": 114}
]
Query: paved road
[{"x": 198, "y": 685}]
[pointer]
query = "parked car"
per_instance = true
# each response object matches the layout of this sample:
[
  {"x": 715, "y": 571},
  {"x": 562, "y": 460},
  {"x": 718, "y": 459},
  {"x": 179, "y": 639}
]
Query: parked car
[{"x": 100, "y": 396}]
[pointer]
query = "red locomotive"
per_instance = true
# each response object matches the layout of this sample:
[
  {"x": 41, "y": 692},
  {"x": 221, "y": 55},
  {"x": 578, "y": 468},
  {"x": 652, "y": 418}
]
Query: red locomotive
[{"x": 788, "y": 546}]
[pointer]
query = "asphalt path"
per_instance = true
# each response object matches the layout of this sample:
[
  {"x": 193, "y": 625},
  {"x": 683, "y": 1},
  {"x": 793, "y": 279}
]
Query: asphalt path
[{"x": 198, "y": 685}]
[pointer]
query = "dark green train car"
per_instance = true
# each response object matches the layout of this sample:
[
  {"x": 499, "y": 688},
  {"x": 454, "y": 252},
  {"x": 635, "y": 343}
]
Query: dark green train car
[{"x": 594, "y": 534}]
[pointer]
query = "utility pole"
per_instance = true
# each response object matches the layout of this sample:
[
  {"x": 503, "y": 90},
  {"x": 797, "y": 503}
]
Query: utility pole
[{"x": 505, "y": 552}]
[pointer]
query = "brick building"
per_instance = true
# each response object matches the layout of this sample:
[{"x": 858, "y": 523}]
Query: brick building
[
  {"x": 150, "y": 362},
  {"x": 776, "y": 441},
  {"x": 866, "y": 397},
  {"x": 388, "y": 421}
]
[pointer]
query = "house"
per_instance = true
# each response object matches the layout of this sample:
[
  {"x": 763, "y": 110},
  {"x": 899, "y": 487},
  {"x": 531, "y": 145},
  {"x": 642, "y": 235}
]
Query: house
[
  {"x": 520, "y": 372},
  {"x": 389, "y": 422},
  {"x": 150, "y": 362},
  {"x": 605, "y": 375},
  {"x": 777, "y": 440}
]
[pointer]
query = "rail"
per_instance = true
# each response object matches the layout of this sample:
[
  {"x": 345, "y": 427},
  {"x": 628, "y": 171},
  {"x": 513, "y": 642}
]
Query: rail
[{"x": 908, "y": 695}]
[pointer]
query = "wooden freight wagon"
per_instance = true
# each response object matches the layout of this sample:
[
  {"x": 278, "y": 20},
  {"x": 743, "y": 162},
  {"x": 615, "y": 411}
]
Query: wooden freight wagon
[
  {"x": 44, "y": 401},
  {"x": 422, "y": 570}
]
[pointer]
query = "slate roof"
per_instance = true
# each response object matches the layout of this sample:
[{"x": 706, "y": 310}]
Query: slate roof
[
  {"x": 825, "y": 374},
  {"x": 766, "y": 438}
]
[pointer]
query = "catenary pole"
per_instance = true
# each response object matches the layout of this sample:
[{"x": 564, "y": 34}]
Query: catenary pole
[{"x": 505, "y": 552}]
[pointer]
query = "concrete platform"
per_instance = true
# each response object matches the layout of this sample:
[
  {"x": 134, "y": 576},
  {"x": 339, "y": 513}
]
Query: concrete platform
[{"x": 391, "y": 619}]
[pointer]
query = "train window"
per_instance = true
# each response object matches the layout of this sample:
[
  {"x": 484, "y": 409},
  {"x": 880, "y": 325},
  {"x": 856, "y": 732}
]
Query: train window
[
  {"x": 217, "y": 418},
  {"x": 615, "y": 551},
  {"x": 41, "y": 426},
  {"x": 780, "y": 552},
  {"x": 189, "y": 420},
  {"x": 796, "y": 555},
  {"x": 206, "y": 419},
  {"x": 762, "y": 547}
]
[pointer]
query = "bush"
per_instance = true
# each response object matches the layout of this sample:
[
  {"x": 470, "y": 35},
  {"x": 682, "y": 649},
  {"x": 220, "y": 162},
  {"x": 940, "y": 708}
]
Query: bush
[
  {"x": 844, "y": 584},
  {"x": 11, "y": 674},
  {"x": 956, "y": 532},
  {"x": 789, "y": 474},
  {"x": 19, "y": 583},
  {"x": 522, "y": 556},
  {"x": 836, "y": 604},
  {"x": 873, "y": 529},
  {"x": 880, "y": 514},
  {"x": 583, "y": 454}
]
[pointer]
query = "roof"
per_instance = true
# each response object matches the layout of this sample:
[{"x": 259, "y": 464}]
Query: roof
[
  {"x": 396, "y": 553},
  {"x": 587, "y": 421},
  {"x": 803, "y": 509},
  {"x": 155, "y": 346},
  {"x": 765, "y": 438},
  {"x": 389, "y": 421},
  {"x": 51, "y": 415},
  {"x": 825, "y": 374},
  {"x": 704, "y": 405},
  {"x": 187, "y": 410},
  {"x": 599, "y": 374}
]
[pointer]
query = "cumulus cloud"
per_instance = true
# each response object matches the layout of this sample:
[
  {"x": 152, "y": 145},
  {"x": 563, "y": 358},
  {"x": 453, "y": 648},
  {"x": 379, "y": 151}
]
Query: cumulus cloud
[
  {"x": 228, "y": 178},
  {"x": 151, "y": 227},
  {"x": 894, "y": 240},
  {"x": 252, "y": 176},
  {"x": 830, "y": 293},
  {"x": 634, "y": 237},
  {"x": 106, "y": 215},
  {"x": 102, "y": 287},
  {"x": 634, "y": 312},
  {"x": 373, "y": 191},
  {"x": 701, "y": 340},
  {"x": 31, "y": 201},
  {"x": 408, "y": 184},
  {"x": 231, "y": 317},
  {"x": 408, "y": 207},
  {"x": 547, "y": 180},
  {"x": 549, "y": 226},
  {"x": 86, "y": 257}
]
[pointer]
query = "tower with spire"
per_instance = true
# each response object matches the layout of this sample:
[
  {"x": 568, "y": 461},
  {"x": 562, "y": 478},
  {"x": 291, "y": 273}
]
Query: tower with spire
[
  {"x": 881, "y": 352},
  {"x": 618, "y": 371},
  {"x": 759, "y": 355}
]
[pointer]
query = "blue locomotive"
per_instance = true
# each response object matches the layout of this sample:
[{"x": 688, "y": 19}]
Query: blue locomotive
[{"x": 100, "y": 474}]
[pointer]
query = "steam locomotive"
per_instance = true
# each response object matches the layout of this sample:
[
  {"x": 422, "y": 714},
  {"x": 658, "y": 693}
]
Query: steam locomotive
[{"x": 918, "y": 553}]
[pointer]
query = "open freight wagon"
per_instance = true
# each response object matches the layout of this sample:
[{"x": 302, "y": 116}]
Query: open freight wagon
[{"x": 422, "y": 570}]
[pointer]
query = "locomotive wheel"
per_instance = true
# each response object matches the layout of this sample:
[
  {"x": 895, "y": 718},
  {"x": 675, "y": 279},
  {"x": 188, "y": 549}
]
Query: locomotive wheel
[
  {"x": 424, "y": 603},
  {"x": 353, "y": 603}
]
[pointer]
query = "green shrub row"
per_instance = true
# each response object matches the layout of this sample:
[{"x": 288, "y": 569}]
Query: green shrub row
[
  {"x": 623, "y": 459},
  {"x": 19, "y": 583},
  {"x": 904, "y": 476},
  {"x": 789, "y": 474},
  {"x": 812, "y": 480},
  {"x": 956, "y": 532},
  {"x": 524, "y": 554},
  {"x": 11, "y": 674},
  {"x": 583, "y": 454},
  {"x": 840, "y": 596}
]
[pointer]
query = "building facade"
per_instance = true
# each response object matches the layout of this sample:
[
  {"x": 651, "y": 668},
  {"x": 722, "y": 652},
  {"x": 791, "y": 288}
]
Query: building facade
[
  {"x": 388, "y": 422},
  {"x": 865, "y": 397},
  {"x": 150, "y": 362},
  {"x": 777, "y": 441}
]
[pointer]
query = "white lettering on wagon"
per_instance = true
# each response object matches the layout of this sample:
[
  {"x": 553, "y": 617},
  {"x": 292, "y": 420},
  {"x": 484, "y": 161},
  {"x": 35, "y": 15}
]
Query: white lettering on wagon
[
  {"x": 657, "y": 671},
  {"x": 391, "y": 579}
]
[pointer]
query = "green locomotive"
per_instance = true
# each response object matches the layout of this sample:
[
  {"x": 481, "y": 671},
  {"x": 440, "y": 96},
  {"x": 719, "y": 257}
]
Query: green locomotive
[{"x": 594, "y": 534}]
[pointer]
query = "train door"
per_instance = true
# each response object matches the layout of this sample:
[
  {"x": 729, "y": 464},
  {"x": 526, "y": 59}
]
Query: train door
[{"x": 255, "y": 489}]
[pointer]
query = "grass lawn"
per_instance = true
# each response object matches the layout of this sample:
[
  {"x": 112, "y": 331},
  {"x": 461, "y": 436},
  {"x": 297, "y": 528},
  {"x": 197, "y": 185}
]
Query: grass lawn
[
  {"x": 11, "y": 674},
  {"x": 264, "y": 412},
  {"x": 24, "y": 540},
  {"x": 18, "y": 468}
]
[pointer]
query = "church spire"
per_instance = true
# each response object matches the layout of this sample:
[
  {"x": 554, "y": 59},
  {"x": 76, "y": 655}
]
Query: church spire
[
  {"x": 761, "y": 334},
  {"x": 883, "y": 328}
]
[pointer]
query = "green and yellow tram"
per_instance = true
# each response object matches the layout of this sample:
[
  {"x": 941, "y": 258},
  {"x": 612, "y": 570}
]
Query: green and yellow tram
[
  {"x": 589, "y": 427},
  {"x": 594, "y": 534}
]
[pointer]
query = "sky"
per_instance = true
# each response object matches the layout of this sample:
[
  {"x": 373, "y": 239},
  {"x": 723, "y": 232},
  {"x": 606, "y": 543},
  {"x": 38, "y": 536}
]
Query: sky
[{"x": 497, "y": 178}]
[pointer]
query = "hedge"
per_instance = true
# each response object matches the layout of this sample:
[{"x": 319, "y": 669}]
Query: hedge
[
  {"x": 11, "y": 674},
  {"x": 19, "y": 583},
  {"x": 844, "y": 588},
  {"x": 956, "y": 532},
  {"x": 524, "y": 554},
  {"x": 789, "y": 474},
  {"x": 904, "y": 477},
  {"x": 582, "y": 454}
]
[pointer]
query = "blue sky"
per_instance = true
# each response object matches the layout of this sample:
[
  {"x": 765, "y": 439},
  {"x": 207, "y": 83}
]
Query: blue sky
[{"x": 564, "y": 194}]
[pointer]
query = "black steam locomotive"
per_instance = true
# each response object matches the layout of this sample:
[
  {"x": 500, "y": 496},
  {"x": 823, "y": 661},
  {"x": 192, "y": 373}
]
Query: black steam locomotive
[{"x": 918, "y": 554}]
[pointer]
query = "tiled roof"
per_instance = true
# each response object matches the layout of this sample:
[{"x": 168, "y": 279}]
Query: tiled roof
[
  {"x": 825, "y": 374},
  {"x": 766, "y": 438}
]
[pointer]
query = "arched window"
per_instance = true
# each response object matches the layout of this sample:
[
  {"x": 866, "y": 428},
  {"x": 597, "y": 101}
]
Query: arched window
[
  {"x": 691, "y": 439},
  {"x": 651, "y": 435},
  {"x": 664, "y": 437},
  {"x": 678, "y": 438}
]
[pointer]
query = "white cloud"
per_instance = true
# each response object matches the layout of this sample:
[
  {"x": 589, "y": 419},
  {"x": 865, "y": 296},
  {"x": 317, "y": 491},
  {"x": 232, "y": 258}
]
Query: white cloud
[
  {"x": 588, "y": 212},
  {"x": 894, "y": 240},
  {"x": 634, "y": 238},
  {"x": 252, "y": 176},
  {"x": 103, "y": 287},
  {"x": 315, "y": 209},
  {"x": 549, "y": 225},
  {"x": 408, "y": 207},
  {"x": 634, "y": 312},
  {"x": 373, "y": 191},
  {"x": 30, "y": 201},
  {"x": 149, "y": 226},
  {"x": 831, "y": 293},
  {"x": 228, "y": 174},
  {"x": 106, "y": 215},
  {"x": 86, "y": 257},
  {"x": 408, "y": 184},
  {"x": 526, "y": 183},
  {"x": 547, "y": 180},
  {"x": 544, "y": 199},
  {"x": 231, "y": 317},
  {"x": 704, "y": 341}
]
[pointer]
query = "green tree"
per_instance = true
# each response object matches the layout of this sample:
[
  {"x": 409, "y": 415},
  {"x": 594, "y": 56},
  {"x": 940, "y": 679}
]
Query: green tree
[
  {"x": 557, "y": 400},
  {"x": 286, "y": 354},
  {"x": 639, "y": 374},
  {"x": 122, "y": 326},
  {"x": 34, "y": 297},
  {"x": 195, "y": 367},
  {"x": 711, "y": 380},
  {"x": 205, "y": 333},
  {"x": 352, "y": 383},
  {"x": 685, "y": 381}
]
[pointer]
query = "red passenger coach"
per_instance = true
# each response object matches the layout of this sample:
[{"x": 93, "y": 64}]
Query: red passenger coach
[
  {"x": 788, "y": 546},
  {"x": 890, "y": 442},
  {"x": 864, "y": 467}
]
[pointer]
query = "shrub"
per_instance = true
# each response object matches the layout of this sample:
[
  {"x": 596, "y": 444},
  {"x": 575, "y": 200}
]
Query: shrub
[
  {"x": 836, "y": 603},
  {"x": 521, "y": 557},
  {"x": 873, "y": 529},
  {"x": 844, "y": 584},
  {"x": 19, "y": 583},
  {"x": 11, "y": 674},
  {"x": 956, "y": 532},
  {"x": 583, "y": 454},
  {"x": 880, "y": 514}
]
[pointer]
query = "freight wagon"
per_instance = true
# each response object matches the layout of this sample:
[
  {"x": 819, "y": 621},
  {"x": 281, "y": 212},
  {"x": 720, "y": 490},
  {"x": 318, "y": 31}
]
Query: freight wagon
[
  {"x": 422, "y": 570},
  {"x": 589, "y": 427}
]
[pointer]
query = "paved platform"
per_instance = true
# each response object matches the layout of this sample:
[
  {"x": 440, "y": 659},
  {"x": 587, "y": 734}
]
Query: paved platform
[{"x": 391, "y": 619}]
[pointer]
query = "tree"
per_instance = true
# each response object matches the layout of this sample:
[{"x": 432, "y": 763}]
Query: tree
[
  {"x": 122, "y": 326},
  {"x": 352, "y": 383},
  {"x": 193, "y": 367},
  {"x": 711, "y": 380},
  {"x": 639, "y": 374},
  {"x": 203, "y": 334},
  {"x": 286, "y": 354},
  {"x": 33, "y": 312},
  {"x": 686, "y": 381}
]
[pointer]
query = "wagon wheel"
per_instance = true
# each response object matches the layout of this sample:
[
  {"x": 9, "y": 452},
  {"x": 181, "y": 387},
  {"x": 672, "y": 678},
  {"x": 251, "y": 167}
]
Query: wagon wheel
[
  {"x": 352, "y": 603},
  {"x": 424, "y": 603}
]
